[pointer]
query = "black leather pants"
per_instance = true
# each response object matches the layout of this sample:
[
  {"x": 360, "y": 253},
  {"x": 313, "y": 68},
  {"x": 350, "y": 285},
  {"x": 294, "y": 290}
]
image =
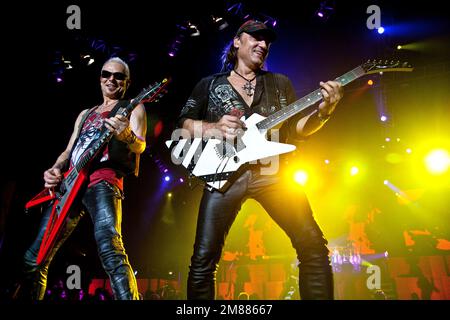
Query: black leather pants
[
  {"x": 289, "y": 208},
  {"x": 104, "y": 204}
]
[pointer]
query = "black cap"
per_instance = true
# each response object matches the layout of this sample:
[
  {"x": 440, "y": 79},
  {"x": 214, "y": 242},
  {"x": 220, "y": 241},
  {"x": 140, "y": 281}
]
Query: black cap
[{"x": 257, "y": 27}]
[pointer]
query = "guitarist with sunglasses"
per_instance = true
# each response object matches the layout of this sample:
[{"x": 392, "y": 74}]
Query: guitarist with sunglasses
[{"x": 101, "y": 196}]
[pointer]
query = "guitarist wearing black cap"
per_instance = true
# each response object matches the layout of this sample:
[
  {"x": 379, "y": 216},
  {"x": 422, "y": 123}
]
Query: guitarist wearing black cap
[{"x": 215, "y": 108}]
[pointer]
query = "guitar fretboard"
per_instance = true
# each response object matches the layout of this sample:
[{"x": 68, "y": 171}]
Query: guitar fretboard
[{"x": 308, "y": 100}]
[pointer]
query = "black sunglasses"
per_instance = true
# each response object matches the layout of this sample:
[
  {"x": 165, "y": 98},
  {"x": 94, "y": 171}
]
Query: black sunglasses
[{"x": 117, "y": 75}]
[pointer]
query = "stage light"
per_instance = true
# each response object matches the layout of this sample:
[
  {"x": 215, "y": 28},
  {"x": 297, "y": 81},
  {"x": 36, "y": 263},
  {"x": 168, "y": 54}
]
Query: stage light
[
  {"x": 301, "y": 177},
  {"x": 88, "y": 60},
  {"x": 236, "y": 9},
  {"x": 219, "y": 22},
  {"x": 169, "y": 195},
  {"x": 386, "y": 182},
  {"x": 370, "y": 82},
  {"x": 354, "y": 171},
  {"x": 325, "y": 10},
  {"x": 437, "y": 161},
  {"x": 399, "y": 47},
  {"x": 387, "y": 139},
  {"x": 408, "y": 150},
  {"x": 193, "y": 30},
  {"x": 68, "y": 64},
  {"x": 380, "y": 30},
  {"x": 167, "y": 178},
  {"x": 383, "y": 118},
  {"x": 181, "y": 180},
  {"x": 327, "y": 161}
]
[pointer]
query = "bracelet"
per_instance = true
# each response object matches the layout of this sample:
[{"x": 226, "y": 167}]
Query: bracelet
[
  {"x": 131, "y": 138},
  {"x": 322, "y": 119}
]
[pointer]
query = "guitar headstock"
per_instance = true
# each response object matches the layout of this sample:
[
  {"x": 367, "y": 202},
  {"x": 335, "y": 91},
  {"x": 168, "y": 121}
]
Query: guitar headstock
[
  {"x": 153, "y": 92},
  {"x": 375, "y": 66}
]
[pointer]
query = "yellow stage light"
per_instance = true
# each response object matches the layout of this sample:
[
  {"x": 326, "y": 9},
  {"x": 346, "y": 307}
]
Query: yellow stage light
[
  {"x": 301, "y": 177},
  {"x": 437, "y": 161}
]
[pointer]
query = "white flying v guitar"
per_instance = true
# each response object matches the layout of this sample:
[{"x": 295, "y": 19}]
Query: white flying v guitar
[{"x": 215, "y": 161}]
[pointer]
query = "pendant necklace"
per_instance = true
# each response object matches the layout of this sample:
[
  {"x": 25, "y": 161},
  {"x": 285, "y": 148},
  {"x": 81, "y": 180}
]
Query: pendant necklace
[{"x": 248, "y": 87}]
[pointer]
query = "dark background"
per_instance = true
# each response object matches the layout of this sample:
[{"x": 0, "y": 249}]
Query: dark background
[{"x": 39, "y": 113}]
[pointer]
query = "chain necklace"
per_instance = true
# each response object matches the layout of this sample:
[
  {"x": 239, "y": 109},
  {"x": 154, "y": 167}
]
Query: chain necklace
[
  {"x": 104, "y": 107},
  {"x": 248, "y": 87}
]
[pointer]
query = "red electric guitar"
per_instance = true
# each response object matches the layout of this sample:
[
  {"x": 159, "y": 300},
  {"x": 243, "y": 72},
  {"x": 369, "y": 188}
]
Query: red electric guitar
[{"x": 74, "y": 179}]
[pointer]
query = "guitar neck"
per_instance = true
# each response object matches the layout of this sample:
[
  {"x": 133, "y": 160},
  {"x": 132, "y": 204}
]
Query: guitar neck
[{"x": 308, "y": 100}]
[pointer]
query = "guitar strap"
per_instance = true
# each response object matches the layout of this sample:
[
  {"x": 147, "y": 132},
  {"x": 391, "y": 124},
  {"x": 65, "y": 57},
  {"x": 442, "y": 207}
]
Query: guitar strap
[{"x": 83, "y": 119}]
